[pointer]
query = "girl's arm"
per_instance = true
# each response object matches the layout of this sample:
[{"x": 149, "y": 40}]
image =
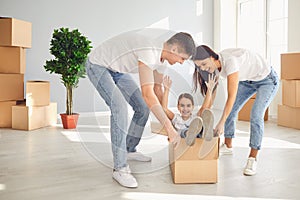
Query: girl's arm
[
  {"x": 232, "y": 87},
  {"x": 167, "y": 82},
  {"x": 210, "y": 94}
]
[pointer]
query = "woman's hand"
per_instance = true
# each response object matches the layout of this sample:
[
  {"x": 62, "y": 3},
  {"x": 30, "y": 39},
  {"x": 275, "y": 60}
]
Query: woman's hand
[
  {"x": 219, "y": 129},
  {"x": 212, "y": 81}
]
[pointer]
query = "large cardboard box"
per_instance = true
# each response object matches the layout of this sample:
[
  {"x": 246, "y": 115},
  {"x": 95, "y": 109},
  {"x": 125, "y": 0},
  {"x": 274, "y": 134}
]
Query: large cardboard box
[
  {"x": 15, "y": 32},
  {"x": 37, "y": 93},
  {"x": 291, "y": 93},
  {"x": 290, "y": 66},
  {"x": 5, "y": 113},
  {"x": 288, "y": 116},
  {"x": 11, "y": 87},
  {"x": 244, "y": 114},
  {"x": 189, "y": 166},
  {"x": 33, "y": 117},
  {"x": 12, "y": 60}
]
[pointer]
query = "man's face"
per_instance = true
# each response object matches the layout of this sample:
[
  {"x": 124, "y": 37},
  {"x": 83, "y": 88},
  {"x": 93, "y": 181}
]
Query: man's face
[{"x": 175, "y": 57}]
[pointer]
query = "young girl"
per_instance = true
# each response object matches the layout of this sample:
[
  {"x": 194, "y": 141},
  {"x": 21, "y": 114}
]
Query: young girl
[{"x": 188, "y": 125}]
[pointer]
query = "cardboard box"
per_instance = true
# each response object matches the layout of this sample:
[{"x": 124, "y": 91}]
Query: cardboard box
[
  {"x": 288, "y": 116},
  {"x": 33, "y": 117},
  {"x": 15, "y": 32},
  {"x": 11, "y": 87},
  {"x": 37, "y": 93},
  {"x": 244, "y": 114},
  {"x": 291, "y": 93},
  {"x": 6, "y": 113},
  {"x": 12, "y": 60},
  {"x": 290, "y": 66},
  {"x": 187, "y": 166}
]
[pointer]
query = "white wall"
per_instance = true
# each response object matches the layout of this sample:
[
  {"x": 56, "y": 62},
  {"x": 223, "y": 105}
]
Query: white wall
[
  {"x": 99, "y": 20},
  {"x": 293, "y": 26}
]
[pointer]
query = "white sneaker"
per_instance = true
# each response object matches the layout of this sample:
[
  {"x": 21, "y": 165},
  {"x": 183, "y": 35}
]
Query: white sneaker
[
  {"x": 208, "y": 123},
  {"x": 250, "y": 168},
  {"x": 224, "y": 150},
  {"x": 137, "y": 156},
  {"x": 194, "y": 129},
  {"x": 124, "y": 177}
]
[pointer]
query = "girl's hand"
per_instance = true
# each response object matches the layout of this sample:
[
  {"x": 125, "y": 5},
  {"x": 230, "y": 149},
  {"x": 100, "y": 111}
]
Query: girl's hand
[
  {"x": 167, "y": 82},
  {"x": 219, "y": 129},
  {"x": 212, "y": 81}
]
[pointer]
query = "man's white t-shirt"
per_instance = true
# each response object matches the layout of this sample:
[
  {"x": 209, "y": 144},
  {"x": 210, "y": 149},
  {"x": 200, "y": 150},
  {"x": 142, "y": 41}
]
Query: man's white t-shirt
[
  {"x": 122, "y": 53},
  {"x": 251, "y": 66}
]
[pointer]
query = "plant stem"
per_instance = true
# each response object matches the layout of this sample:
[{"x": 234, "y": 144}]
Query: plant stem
[{"x": 69, "y": 100}]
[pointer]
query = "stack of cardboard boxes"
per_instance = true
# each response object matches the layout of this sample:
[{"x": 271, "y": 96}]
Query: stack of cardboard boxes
[
  {"x": 15, "y": 37},
  {"x": 289, "y": 111}
]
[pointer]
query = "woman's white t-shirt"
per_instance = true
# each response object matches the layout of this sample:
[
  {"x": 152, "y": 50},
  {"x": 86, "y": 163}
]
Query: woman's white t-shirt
[
  {"x": 251, "y": 66},
  {"x": 122, "y": 53}
]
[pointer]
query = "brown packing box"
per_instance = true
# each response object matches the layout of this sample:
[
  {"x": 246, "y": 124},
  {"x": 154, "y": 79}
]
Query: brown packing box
[
  {"x": 186, "y": 165},
  {"x": 291, "y": 92},
  {"x": 15, "y": 32},
  {"x": 288, "y": 116},
  {"x": 12, "y": 60},
  {"x": 33, "y": 117},
  {"x": 11, "y": 87},
  {"x": 244, "y": 114},
  {"x": 37, "y": 93},
  {"x": 290, "y": 66},
  {"x": 5, "y": 113}
]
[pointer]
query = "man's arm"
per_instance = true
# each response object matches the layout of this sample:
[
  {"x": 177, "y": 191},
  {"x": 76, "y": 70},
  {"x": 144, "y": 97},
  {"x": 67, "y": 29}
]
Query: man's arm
[
  {"x": 147, "y": 85},
  {"x": 158, "y": 79}
]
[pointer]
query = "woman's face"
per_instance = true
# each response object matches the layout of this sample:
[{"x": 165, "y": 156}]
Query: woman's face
[
  {"x": 207, "y": 64},
  {"x": 185, "y": 107}
]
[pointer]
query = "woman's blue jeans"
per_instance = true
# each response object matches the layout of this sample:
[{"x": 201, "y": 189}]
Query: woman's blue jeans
[
  {"x": 265, "y": 91},
  {"x": 118, "y": 90}
]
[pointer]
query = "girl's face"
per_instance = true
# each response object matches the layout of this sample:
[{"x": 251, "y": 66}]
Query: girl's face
[
  {"x": 207, "y": 64},
  {"x": 185, "y": 107}
]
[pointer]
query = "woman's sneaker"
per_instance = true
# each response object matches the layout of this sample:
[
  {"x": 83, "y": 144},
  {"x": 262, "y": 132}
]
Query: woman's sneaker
[
  {"x": 124, "y": 177},
  {"x": 250, "y": 168},
  {"x": 208, "y": 123},
  {"x": 194, "y": 129},
  {"x": 224, "y": 150}
]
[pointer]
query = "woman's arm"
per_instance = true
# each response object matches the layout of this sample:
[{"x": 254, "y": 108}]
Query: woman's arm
[
  {"x": 232, "y": 87},
  {"x": 167, "y": 82}
]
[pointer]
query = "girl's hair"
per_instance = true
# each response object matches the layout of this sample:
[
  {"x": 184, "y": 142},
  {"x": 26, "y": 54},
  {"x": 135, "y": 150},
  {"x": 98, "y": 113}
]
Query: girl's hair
[
  {"x": 200, "y": 76},
  {"x": 186, "y": 95}
]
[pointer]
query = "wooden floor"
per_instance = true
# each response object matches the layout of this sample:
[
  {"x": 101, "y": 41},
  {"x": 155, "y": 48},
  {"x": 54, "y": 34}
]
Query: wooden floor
[{"x": 53, "y": 163}]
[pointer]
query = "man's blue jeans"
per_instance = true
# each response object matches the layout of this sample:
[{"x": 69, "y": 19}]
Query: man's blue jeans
[
  {"x": 117, "y": 90},
  {"x": 265, "y": 91}
]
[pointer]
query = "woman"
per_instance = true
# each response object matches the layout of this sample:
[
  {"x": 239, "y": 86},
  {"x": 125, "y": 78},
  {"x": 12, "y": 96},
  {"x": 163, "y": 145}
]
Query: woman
[{"x": 247, "y": 73}]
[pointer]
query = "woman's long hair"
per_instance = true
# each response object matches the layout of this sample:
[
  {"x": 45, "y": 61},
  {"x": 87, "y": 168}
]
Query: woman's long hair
[{"x": 200, "y": 76}]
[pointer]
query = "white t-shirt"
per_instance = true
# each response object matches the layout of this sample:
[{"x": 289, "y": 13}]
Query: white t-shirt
[
  {"x": 179, "y": 123},
  {"x": 122, "y": 53},
  {"x": 251, "y": 66}
]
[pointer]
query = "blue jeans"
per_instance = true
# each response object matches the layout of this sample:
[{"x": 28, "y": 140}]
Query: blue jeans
[
  {"x": 265, "y": 91},
  {"x": 118, "y": 89}
]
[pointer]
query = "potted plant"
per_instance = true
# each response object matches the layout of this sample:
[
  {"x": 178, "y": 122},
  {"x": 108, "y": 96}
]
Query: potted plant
[{"x": 70, "y": 49}]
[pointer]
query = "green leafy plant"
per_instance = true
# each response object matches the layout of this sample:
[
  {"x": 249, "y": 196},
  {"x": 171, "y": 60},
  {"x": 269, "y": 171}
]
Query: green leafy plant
[{"x": 70, "y": 49}]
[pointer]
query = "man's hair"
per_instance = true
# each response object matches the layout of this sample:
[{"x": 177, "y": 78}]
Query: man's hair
[{"x": 185, "y": 43}]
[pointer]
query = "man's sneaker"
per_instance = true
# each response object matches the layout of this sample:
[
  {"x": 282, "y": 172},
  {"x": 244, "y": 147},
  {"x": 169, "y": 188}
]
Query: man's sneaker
[
  {"x": 194, "y": 128},
  {"x": 250, "y": 168},
  {"x": 224, "y": 150},
  {"x": 208, "y": 124},
  {"x": 124, "y": 177},
  {"x": 137, "y": 156}
]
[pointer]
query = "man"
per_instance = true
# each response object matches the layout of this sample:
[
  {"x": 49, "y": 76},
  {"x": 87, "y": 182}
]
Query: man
[{"x": 109, "y": 67}]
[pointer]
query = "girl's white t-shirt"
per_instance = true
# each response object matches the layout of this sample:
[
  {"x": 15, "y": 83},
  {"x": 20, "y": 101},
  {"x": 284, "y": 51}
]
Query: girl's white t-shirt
[
  {"x": 251, "y": 66},
  {"x": 179, "y": 123},
  {"x": 122, "y": 53}
]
